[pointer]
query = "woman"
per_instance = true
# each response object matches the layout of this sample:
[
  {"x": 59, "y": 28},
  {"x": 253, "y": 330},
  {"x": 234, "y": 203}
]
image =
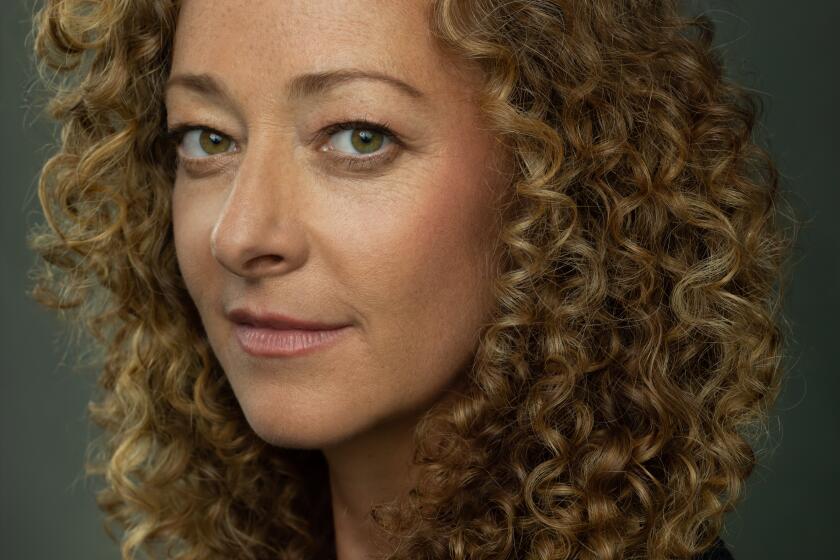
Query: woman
[{"x": 422, "y": 279}]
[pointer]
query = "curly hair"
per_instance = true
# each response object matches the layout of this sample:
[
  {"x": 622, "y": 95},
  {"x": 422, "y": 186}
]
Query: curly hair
[{"x": 635, "y": 346}]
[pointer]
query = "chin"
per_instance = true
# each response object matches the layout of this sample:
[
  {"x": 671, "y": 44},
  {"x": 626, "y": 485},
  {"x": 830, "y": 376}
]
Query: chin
[{"x": 300, "y": 424}]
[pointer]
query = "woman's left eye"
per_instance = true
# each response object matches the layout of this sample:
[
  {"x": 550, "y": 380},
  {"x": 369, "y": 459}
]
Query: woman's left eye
[{"x": 358, "y": 139}]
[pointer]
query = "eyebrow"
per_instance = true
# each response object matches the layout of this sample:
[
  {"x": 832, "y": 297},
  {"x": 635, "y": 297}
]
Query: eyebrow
[{"x": 300, "y": 87}]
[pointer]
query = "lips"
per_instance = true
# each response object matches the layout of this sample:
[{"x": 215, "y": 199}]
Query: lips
[
  {"x": 276, "y": 321},
  {"x": 270, "y": 335}
]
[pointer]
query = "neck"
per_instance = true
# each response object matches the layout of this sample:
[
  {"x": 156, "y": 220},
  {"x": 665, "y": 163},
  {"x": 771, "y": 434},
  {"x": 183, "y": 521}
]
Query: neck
[{"x": 371, "y": 468}]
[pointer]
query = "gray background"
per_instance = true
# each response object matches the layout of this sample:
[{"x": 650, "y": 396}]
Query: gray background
[{"x": 777, "y": 47}]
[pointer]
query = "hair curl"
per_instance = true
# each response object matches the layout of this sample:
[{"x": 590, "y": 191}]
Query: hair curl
[{"x": 635, "y": 341}]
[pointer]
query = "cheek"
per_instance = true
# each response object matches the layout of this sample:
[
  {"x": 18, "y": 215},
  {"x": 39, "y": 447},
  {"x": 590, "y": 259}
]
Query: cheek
[
  {"x": 191, "y": 226},
  {"x": 423, "y": 272},
  {"x": 442, "y": 241}
]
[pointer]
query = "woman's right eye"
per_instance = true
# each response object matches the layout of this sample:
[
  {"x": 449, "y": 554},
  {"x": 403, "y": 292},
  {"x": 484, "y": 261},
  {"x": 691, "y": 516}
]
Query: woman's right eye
[{"x": 198, "y": 143}]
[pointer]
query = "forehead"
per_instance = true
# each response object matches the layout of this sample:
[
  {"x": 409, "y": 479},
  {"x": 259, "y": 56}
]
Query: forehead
[{"x": 273, "y": 39}]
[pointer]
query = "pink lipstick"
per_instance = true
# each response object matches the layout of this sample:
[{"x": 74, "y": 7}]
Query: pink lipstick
[
  {"x": 274, "y": 343},
  {"x": 272, "y": 335}
]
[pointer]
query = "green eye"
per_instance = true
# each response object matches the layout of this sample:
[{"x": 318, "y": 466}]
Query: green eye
[
  {"x": 366, "y": 141},
  {"x": 213, "y": 142},
  {"x": 359, "y": 138},
  {"x": 197, "y": 142}
]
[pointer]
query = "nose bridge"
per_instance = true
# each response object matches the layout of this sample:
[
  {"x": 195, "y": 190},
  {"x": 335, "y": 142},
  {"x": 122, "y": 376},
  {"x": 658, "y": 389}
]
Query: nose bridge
[{"x": 257, "y": 230}]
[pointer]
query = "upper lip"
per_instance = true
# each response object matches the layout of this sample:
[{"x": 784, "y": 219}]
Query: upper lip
[{"x": 276, "y": 321}]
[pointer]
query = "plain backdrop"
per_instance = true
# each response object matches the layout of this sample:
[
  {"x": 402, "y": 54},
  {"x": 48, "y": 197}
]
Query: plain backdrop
[{"x": 785, "y": 50}]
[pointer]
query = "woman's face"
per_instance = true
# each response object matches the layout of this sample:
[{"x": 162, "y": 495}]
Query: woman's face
[{"x": 278, "y": 211}]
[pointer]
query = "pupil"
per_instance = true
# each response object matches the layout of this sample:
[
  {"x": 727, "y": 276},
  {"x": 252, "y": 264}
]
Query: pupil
[
  {"x": 215, "y": 138},
  {"x": 366, "y": 141}
]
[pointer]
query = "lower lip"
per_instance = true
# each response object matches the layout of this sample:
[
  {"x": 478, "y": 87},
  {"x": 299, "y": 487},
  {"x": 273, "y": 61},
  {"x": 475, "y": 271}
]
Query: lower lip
[{"x": 274, "y": 343}]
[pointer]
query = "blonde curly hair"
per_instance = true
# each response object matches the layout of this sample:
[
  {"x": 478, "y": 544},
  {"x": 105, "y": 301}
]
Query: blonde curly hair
[{"x": 636, "y": 339}]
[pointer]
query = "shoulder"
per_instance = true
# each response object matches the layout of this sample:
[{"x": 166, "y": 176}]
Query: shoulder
[{"x": 717, "y": 551}]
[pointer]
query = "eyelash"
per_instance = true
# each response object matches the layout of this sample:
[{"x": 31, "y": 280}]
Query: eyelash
[{"x": 176, "y": 134}]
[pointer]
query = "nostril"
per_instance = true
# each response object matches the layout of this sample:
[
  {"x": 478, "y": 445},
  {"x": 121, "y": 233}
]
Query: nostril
[{"x": 263, "y": 264}]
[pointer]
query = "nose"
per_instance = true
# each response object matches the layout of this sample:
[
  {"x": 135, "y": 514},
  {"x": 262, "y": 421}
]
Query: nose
[{"x": 259, "y": 231}]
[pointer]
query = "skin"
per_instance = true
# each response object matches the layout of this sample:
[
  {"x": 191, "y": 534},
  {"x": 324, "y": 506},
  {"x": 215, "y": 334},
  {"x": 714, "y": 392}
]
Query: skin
[{"x": 275, "y": 222}]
